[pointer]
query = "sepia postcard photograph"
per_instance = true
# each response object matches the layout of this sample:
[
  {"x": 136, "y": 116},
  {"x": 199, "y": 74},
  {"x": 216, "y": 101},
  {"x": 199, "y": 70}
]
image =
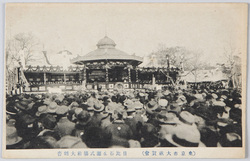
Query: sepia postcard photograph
[{"x": 125, "y": 80}]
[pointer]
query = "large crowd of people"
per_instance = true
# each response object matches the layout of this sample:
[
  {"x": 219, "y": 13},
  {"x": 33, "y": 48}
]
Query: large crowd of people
[{"x": 126, "y": 119}]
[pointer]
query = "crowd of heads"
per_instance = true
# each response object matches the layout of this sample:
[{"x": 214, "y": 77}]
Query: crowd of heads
[{"x": 125, "y": 119}]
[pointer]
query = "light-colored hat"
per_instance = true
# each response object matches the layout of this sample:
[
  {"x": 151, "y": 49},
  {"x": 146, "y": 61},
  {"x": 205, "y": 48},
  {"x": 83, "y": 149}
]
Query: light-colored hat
[
  {"x": 41, "y": 110},
  {"x": 163, "y": 102},
  {"x": 204, "y": 94},
  {"x": 166, "y": 93},
  {"x": 30, "y": 105},
  {"x": 134, "y": 144},
  {"x": 52, "y": 107},
  {"x": 222, "y": 123},
  {"x": 198, "y": 96},
  {"x": 186, "y": 117},
  {"x": 141, "y": 94},
  {"x": 219, "y": 103},
  {"x": 138, "y": 105},
  {"x": 223, "y": 96},
  {"x": 167, "y": 129},
  {"x": 90, "y": 108},
  {"x": 237, "y": 106},
  {"x": 110, "y": 107},
  {"x": 184, "y": 136},
  {"x": 71, "y": 142},
  {"x": 128, "y": 103},
  {"x": 214, "y": 96},
  {"x": 60, "y": 97},
  {"x": 11, "y": 136},
  {"x": 46, "y": 101},
  {"x": 131, "y": 109},
  {"x": 78, "y": 110},
  {"x": 181, "y": 100},
  {"x": 74, "y": 104},
  {"x": 98, "y": 106},
  {"x": 62, "y": 110}
]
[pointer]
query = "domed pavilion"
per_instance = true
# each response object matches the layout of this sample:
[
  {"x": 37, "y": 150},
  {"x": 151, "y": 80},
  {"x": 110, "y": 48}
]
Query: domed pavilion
[{"x": 109, "y": 67}]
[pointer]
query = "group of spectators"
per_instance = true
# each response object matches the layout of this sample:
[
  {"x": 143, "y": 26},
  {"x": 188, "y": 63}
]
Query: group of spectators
[{"x": 125, "y": 119}]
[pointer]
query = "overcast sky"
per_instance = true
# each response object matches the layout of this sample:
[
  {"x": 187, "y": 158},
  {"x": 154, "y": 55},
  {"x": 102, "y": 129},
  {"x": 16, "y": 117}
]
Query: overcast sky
[{"x": 135, "y": 28}]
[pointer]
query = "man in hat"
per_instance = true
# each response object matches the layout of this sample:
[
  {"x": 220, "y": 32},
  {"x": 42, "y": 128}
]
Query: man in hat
[
  {"x": 183, "y": 136},
  {"x": 96, "y": 137},
  {"x": 13, "y": 141},
  {"x": 120, "y": 131},
  {"x": 97, "y": 117},
  {"x": 64, "y": 125},
  {"x": 27, "y": 126},
  {"x": 131, "y": 121},
  {"x": 49, "y": 125}
]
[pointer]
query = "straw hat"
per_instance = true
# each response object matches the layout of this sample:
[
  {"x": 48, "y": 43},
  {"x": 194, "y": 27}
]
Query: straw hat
[
  {"x": 128, "y": 103},
  {"x": 184, "y": 136},
  {"x": 52, "y": 107},
  {"x": 41, "y": 110},
  {"x": 98, "y": 106},
  {"x": 138, "y": 105},
  {"x": 186, "y": 117}
]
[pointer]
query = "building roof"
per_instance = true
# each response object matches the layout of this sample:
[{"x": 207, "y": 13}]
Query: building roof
[
  {"x": 106, "y": 42},
  {"x": 204, "y": 76},
  {"x": 44, "y": 58},
  {"x": 106, "y": 51}
]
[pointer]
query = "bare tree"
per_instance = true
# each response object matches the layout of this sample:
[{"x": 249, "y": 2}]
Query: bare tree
[
  {"x": 21, "y": 43},
  {"x": 232, "y": 67}
]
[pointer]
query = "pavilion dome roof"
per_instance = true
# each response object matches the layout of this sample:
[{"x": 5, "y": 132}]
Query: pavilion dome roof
[
  {"x": 106, "y": 51},
  {"x": 106, "y": 42}
]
